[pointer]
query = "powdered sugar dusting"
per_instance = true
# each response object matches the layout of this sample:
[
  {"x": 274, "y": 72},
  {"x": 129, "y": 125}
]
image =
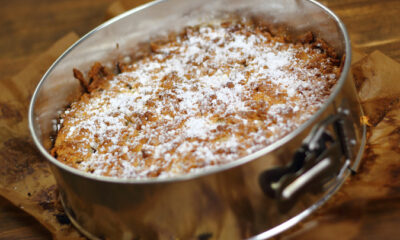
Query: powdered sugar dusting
[{"x": 209, "y": 97}]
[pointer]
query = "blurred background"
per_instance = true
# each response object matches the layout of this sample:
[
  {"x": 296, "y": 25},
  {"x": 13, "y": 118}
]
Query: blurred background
[{"x": 28, "y": 27}]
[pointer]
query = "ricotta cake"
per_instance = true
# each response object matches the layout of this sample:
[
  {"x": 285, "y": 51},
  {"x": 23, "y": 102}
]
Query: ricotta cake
[{"x": 206, "y": 96}]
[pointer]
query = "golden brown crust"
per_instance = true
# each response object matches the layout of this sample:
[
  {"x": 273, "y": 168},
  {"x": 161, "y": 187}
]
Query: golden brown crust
[
  {"x": 203, "y": 97},
  {"x": 97, "y": 75},
  {"x": 82, "y": 81}
]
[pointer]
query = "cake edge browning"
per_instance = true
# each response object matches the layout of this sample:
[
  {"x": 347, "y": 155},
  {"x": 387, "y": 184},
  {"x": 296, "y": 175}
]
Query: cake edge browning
[{"x": 145, "y": 161}]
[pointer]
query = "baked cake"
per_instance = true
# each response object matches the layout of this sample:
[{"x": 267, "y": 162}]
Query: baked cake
[{"x": 204, "y": 97}]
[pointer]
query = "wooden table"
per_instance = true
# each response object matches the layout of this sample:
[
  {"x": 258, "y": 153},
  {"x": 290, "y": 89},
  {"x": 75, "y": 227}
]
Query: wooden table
[{"x": 29, "y": 27}]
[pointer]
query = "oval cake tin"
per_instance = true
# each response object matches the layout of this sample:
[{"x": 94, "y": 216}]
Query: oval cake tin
[{"x": 254, "y": 197}]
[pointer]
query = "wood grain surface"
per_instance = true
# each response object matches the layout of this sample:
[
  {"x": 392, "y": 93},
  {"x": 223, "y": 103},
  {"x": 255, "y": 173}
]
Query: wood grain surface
[{"x": 29, "y": 27}]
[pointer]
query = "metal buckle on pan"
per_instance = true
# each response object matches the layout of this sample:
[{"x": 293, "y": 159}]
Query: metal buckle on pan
[{"x": 323, "y": 157}]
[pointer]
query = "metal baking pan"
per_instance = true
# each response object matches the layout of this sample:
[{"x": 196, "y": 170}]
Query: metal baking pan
[{"x": 257, "y": 196}]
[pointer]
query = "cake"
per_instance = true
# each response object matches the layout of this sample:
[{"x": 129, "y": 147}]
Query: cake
[{"x": 204, "y": 97}]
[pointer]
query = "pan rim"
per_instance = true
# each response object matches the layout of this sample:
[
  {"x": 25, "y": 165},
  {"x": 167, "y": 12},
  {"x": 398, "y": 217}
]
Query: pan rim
[{"x": 203, "y": 172}]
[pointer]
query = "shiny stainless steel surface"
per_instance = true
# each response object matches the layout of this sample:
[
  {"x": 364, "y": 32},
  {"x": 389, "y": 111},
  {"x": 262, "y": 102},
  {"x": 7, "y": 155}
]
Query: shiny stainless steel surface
[{"x": 226, "y": 202}]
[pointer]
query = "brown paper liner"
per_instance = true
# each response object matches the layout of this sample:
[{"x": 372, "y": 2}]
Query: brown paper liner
[
  {"x": 373, "y": 193},
  {"x": 25, "y": 177},
  {"x": 119, "y": 7}
]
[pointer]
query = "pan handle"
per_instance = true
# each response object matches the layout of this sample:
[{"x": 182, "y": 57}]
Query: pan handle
[{"x": 318, "y": 164}]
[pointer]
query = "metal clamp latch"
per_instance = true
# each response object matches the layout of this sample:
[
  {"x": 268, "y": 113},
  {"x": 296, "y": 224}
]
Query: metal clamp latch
[{"x": 324, "y": 155}]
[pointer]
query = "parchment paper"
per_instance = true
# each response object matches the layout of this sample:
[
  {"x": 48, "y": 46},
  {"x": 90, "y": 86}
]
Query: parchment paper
[
  {"x": 25, "y": 177},
  {"x": 26, "y": 181},
  {"x": 368, "y": 204}
]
